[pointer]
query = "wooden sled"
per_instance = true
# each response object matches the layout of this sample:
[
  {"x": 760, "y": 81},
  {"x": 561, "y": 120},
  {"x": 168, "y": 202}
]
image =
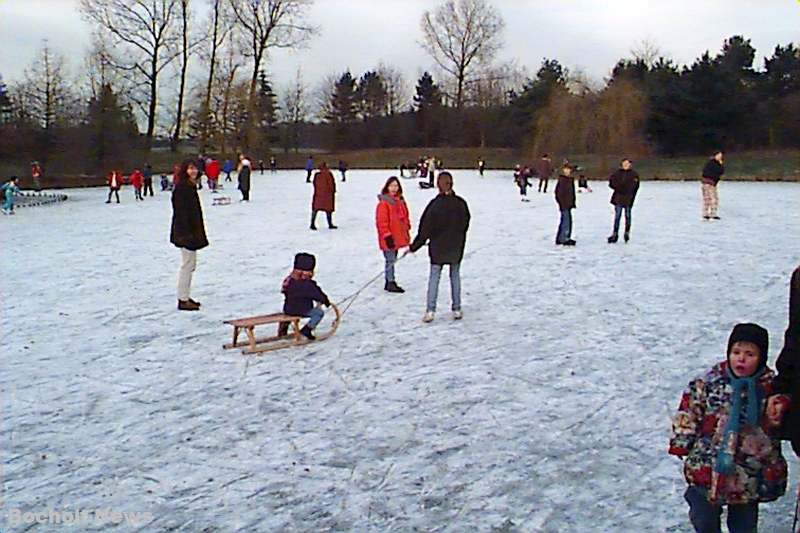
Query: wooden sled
[
  {"x": 221, "y": 200},
  {"x": 257, "y": 345}
]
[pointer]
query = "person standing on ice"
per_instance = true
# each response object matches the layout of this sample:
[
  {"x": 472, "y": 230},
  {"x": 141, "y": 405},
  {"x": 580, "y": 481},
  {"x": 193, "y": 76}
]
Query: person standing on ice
[
  {"x": 625, "y": 183},
  {"x": 712, "y": 173},
  {"x": 273, "y": 164},
  {"x": 188, "y": 230},
  {"x": 481, "y": 166},
  {"x": 544, "y": 169},
  {"x": 227, "y": 168},
  {"x": 444, "y": 223},
  {"x": 114, "y": 181},
  {"x": 343, "y": 169},
  {"x": 324, "y": 196},
  {"x": 565, "y": 198},
  {"x": 212, "y": 171},
  {"x": 148, "y": 179},
  {"x": 9, "y": 190},
  {"x": 394, "y": 228},
  {"x": 36, "y": 174},
  {"x": 137, "y": 180},
  {"x": 728, "y": 439},
  {"x": 244, "y": 178},
  {"x": 788, "y": 365},
  {"x": 309, "y": 168}
]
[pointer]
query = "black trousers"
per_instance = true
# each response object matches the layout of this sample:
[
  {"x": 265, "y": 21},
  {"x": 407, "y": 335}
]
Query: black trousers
[
  {"x": 148, "y": 186},
  {"x": 113, "y": 191},
  {"x": 543, "y": 181},
  {"x": 308, "y": 176},
  {"x": 327, "y": 214}
]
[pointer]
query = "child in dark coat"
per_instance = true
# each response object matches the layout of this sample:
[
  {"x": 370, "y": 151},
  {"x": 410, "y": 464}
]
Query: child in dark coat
[
  {"x": 300, "y": 292},
  {"x": 728, "y": 440}
]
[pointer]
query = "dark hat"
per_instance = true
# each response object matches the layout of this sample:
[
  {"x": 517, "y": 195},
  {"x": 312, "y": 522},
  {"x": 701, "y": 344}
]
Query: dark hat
[
  {"x": 304, "y": 261},
  {"x": 751, "y": 333}
]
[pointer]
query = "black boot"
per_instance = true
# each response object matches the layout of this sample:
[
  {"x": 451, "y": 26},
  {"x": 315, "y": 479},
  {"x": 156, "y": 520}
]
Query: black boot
[
  {"x": 392, "y": 286},
  {"x": 614, "y": 238},
  {"x": 305, "y": 331},
  {"x": 627, "y": 236}
]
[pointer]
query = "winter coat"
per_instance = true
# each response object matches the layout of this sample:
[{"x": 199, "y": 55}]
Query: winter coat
[
  {"x": 544, "y": 168},
  {"x": 712, "y": 172},
  {"x": 212, "y": 169},
  {"x": 227, "y": 168},
  {"x": 788, "y": 381},
  {"x": 625, "y": 184},
  {"x": 565, "y": 192},
  {"x": 309, "y": 164},
  {"x": 188, "y": 230},
  {"x": 137, "y": 179},
  {"x": 444, "y": 222},
  {"x": 697, "y": 431},
  {"x": 114, "y": 179},
  {"x": 244, "y": 178},
  {"x": 300, "y": 295},
  {"x": 324, "y": 191},
  {"x": 392, "y": 219},
  {"x": 148, "y": 174}
]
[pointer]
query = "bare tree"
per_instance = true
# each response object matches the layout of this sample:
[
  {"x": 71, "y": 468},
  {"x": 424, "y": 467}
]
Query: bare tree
[
  {"x": 44, "y": 89},
  {"x": 142, "y": 35},
  {"x": 647, "y": 51},
  {"x": 184, "y": 65},
  {"x": 398, "y": 93},
  {"x": 265, "y": 24},
  {"x": 295, "y": 111},
  {"x": 460, "y": 35},
  {"x": 219, "y": 33}
]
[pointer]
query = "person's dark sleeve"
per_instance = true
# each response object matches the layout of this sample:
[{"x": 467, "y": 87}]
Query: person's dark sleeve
[
  {"x": 467, "y": 216},
  {"x": 788, "y": 363},
  {"x": 424, "y": 231}
]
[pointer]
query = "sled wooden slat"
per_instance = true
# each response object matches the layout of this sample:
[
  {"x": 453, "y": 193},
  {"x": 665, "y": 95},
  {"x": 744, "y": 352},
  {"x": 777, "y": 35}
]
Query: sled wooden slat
[{"x": 257, "y": 345}]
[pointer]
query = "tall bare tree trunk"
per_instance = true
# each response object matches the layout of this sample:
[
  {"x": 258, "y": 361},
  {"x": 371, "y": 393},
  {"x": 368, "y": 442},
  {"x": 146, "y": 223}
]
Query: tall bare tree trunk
[
  {"x": 185, "y": 56},
  {"x": 209, "y": 85}
]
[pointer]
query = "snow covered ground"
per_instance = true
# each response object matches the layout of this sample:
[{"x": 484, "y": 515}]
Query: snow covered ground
[{"x": 546, "y": 409}]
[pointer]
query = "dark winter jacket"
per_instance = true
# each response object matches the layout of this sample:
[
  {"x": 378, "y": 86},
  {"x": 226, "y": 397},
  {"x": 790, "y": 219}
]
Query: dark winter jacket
[
  {"x": 300, "y": 295},
  {"x": 244, "y": 178},
  {"x": 544, "y": 168},
  {"x": 188, "y": 230},
  {"x": 565, "y": 192},
  {"x": 625, "y": 184},
  {"x": 713, "y": 171},
  {"x": 444, "y": 222},
  {"x": 788, "y": 365}
]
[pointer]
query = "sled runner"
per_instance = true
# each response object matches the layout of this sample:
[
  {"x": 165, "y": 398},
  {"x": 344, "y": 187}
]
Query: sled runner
[
  {"x": 425, "y": 185},
  {"x": 255, "y": 345},
  {"x": 221, "y": 200}
]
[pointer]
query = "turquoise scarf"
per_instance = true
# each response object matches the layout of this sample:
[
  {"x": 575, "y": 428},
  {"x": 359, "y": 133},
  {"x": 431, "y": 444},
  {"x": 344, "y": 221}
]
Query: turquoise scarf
[{"x": 724, "y": 463}]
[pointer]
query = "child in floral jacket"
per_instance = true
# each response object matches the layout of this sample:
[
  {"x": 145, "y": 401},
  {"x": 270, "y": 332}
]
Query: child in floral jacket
[{"x": 729, "y": 444}]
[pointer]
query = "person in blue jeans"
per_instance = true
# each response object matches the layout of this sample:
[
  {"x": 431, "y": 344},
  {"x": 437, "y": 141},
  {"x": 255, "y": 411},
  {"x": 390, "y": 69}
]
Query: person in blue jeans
[
  {"x": 625, "y": 184},
  {"x": 565, "y": 198},
  {"x": 444, "y": 224},
  {"x": 300, "y": 292}
]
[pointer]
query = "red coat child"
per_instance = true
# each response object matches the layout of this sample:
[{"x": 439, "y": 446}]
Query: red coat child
[
  {"x": 392, "y": 220},
  {"x": 137, "y": 179}
]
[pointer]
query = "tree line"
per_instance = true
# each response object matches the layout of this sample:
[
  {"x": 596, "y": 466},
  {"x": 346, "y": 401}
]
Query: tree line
[{"x": 162, "y": 73}]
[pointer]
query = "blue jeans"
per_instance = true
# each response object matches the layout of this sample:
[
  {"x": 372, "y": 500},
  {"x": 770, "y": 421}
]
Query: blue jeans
[
  {"x": 564, "y": 226},
  {"x": 8, "y": 203},
  {"x": 315, "y": 317},
  {"x": 618, "y": 209},
  {"x": 391, "y": 257},
  {"x": 455, "y": 286},
  {"x": 705, "y": 517}
]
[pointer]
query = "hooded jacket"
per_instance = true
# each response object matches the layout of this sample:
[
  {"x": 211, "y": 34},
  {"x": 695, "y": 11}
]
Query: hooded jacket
[{"x": 392, "y": 219}]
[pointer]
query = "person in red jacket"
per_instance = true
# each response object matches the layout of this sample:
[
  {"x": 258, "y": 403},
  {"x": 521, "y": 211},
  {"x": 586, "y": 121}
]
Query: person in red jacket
[
  {"x": 394, "y": 227},
  {"x": 137, "y": 180},
  {"x": 212, "y": 171},
  {"x": 114, "y": 181}
]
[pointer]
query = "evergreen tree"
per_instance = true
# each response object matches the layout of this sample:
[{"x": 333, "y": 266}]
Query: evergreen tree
[
  {"x": 342, "y": 110},
  {"x": 372, "y": 96},
  {"x": 535, "y": 95},
  {"x": 6, "y": 109},
  {"x": 428, "y": 103},
  {"x": 111, "y": 129},
  {"x": 267, "y": 113}
]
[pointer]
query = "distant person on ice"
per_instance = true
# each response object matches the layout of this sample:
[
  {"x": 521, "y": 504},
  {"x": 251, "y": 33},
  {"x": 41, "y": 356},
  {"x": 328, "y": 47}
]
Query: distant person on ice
[
  {"x": 625, "y": 183},
  {"x": 565, "y": 198},
  {"x": 728, "y": 441},
  {"x": 273, "y": 164},
  {"x": 212, "y": 171},
  {"x": 309, "y": 168},
  {"x": 394, "y": 228},
  {"x": 9, "y": 190},
  {"x": 481, "y": 166},
  {"x": 444, "y": 223},
  {"x": 244, "y": 178},
  {"x": 324, "y": 196},
  {"x": 164, "y": 183},
  {"x": 148, "y": 179},
  {"x": 343, "y": 169},
  {"x": 36, "y": 174},
  {"x": 712, "y": 173},
  {"x": 188, "y": 230},
  {"x": 227, "y": 168},
  {"x": 300, "y": 292},
  {"x": 114, "y": 181},
  {"x": 522, "y": 178},
  {"x": 544, "y": 169},
  {"x": 137, "y": 180}
]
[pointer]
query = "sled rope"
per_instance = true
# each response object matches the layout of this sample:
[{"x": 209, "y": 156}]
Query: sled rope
[{"x": 357, "y": 293}]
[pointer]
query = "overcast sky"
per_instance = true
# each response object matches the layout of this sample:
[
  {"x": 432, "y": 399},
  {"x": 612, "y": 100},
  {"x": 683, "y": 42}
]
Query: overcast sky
[{"x": 589, "y": 35}]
